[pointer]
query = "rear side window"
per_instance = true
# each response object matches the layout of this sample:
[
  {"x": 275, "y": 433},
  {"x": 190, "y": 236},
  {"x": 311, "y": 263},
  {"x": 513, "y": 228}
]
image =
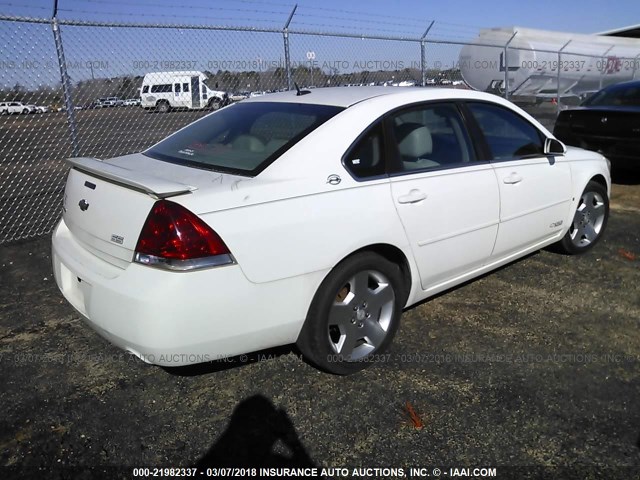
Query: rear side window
[
  {"x": 162, "y": 88},
  {"x": 185, "y": 87},
  {"x": 366, "y": 158},
  {"x": 177, "y": 88},
  {"x": 508, "y": 135},
  {"x": 243, "y": 138}
]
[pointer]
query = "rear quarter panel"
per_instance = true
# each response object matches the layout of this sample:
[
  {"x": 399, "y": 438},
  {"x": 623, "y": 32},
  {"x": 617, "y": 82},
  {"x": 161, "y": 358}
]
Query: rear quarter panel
[{"x": 308, "y": 233}]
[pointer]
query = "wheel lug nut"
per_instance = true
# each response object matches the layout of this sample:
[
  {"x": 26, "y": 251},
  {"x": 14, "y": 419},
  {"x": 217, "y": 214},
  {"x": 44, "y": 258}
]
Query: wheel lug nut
[
  {"x": 364, "y": 305},
  {"x": 353, "y": 320},
  {"x": 360, "y": 324},
  {"x": 368, "y": 315}
]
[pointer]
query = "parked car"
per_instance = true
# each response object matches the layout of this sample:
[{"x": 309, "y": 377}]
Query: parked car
[
  {"x": 315, "y": 217},
  {"x": 607, "y": 122},
  {"x": 132, "y": 102},
  {"x": 41, "y": 109},
  {"x": 109, "y": 102},
  {"x": 8, "y": 108},
  {"x": 236, "y": 97}
]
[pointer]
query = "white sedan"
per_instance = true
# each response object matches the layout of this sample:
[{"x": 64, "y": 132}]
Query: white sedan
[{"x": 315, "y": 217}]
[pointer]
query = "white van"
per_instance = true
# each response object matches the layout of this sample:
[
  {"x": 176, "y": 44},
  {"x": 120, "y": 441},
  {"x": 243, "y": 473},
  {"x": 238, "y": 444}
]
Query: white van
[{"x": 166, "y": 90}]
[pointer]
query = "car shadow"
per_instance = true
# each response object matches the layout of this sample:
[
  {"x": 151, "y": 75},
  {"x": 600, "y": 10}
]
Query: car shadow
[
  {"x": 229, "y": 363},
  {"x": 625, "y": 177},
  {"x": 258, "y": 435}
]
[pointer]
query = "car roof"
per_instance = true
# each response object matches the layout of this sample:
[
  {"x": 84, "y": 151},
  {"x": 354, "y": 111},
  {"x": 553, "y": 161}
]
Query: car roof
[{"x": 348, "y": 96}]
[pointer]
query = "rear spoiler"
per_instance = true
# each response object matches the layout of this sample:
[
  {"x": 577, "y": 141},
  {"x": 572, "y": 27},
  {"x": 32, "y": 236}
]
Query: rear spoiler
[{"x": 135, "y": 179}]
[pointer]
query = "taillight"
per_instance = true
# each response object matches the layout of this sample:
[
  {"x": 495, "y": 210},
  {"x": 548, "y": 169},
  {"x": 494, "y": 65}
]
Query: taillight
[{"x": 176, "y": 239}]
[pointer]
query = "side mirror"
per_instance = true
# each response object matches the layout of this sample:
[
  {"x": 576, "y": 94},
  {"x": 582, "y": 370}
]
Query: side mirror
[{"x": 554, "y": 147}]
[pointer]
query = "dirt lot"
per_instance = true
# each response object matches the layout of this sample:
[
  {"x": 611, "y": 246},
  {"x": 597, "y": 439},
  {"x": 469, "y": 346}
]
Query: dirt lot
[{"x": 537, "y": 364}]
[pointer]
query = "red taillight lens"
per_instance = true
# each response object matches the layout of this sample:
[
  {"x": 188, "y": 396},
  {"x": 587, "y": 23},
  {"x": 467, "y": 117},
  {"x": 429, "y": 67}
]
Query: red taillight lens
[{"x": 172, "y": 234}]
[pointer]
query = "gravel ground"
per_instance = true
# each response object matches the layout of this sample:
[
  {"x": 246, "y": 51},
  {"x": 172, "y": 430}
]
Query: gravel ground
[{"x": 537, "y": 364}]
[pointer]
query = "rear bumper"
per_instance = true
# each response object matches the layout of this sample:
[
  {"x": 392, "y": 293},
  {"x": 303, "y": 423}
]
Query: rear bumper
[{"x": 175, "y": 319}]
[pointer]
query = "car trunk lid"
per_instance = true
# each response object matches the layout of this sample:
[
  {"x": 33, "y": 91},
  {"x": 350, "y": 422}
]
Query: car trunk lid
[{"x": 106, "y": 205}]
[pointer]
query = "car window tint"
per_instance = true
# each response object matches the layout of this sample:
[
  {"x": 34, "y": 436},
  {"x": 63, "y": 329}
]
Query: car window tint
[
  {"x": 618, "y": 96},
  {"x": 430, "y": 136},
  {"x": 508, "y": 135},
  {"x": 365, "y": 158},
  {"x": 243, "y": 138}
]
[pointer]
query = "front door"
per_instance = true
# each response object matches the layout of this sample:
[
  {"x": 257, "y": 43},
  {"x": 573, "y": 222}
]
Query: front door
[{"x": 535, "y": 189}]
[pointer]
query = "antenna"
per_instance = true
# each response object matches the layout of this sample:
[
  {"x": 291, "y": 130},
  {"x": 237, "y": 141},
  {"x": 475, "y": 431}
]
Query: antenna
[{"x": 298, "y": 91}]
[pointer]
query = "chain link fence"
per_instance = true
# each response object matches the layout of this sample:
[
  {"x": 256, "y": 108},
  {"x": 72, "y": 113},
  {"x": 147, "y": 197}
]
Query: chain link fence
[{"x": 77, "y": 88}]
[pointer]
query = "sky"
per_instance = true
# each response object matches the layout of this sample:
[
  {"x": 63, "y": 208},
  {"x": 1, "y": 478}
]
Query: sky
[
  {"x": 101, "y": 52},
  {"x": 459, "y": 18}
]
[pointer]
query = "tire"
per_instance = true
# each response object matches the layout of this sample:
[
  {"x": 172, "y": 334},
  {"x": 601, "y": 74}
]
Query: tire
[
  {"x": 162, "y": 107},
  {"x": 214, "y": 104},
  {"x": 589, "y": 221},
  {"x": 354, "y": 314},
  {"x": 25, "y": 111}
]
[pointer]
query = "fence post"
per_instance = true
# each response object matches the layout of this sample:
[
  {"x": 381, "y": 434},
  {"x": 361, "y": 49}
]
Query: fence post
[
  {"x": 423, "y": 53},
  {"x": 558, "y": 106},
  {"x": 64, "y": 78},
  {"x": 506, "y": 65},
  {"x": 635, "y": 66},
  {"x": 285, "y": 35}
]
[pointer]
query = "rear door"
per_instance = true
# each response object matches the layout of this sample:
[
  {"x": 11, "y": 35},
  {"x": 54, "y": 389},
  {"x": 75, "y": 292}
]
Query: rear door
[
  {"x": 447, "y": 199},
  {"x": 195, "y": 92},
  {"x": 535, "y": 190},
  {"x": 181, "y": 98}
]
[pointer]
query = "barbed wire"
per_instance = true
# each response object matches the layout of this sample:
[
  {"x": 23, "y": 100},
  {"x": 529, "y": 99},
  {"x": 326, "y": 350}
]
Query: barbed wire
[
  {"x": 160, "y": 15},
  {"x": 331, "y": 19}
]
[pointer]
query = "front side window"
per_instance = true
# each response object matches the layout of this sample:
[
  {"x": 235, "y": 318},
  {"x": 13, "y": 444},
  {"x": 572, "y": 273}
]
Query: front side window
[
  {"x": 366, "y": 158},
  {"x": 176, "y": 88},
  {"x": 429, "y": 137},
  {"x": 145, "y": 89},
  {"x": 508, "y": 135},
  {"x": 243, "y": 138}
]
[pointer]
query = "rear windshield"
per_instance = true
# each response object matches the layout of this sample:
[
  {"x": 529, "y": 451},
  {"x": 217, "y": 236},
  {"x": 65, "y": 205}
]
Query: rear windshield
[
  {"x": 243, "y": 138},
  {"x": 619, "y": 95}
]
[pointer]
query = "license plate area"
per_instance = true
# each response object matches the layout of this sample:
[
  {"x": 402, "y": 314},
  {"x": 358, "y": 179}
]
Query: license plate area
[{"x": 76, "y": 290}]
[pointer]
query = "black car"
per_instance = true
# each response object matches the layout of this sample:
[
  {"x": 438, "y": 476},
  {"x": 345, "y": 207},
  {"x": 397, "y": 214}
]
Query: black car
[{"x": 607, "y": 122}]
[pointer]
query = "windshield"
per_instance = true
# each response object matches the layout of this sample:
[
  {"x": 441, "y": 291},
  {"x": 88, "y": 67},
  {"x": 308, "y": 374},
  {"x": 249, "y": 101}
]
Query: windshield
[
  {"x": 619, "y": 95},
  {"x": 243, "y": 138}
]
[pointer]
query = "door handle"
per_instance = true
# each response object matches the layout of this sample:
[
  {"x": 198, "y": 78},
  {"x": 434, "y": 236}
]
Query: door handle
[
  {"x": 513, "y": 178},
  {"x": 414, "y": 196}
]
